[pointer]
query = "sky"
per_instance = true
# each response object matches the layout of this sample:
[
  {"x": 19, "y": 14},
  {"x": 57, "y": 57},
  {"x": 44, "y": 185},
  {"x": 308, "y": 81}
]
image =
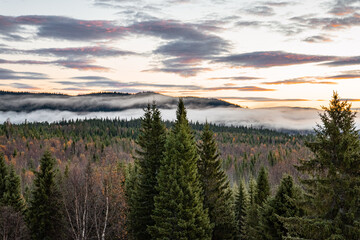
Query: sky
[{"x": 256, "y": 54}]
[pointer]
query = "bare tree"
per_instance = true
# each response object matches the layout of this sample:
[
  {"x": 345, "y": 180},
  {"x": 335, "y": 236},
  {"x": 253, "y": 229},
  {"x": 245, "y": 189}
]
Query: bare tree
[{"x": 12, "y": 225}]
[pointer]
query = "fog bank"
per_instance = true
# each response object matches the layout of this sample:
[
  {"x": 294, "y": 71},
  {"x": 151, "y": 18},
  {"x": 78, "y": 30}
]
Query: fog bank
[{"x": 275, "y": 118}]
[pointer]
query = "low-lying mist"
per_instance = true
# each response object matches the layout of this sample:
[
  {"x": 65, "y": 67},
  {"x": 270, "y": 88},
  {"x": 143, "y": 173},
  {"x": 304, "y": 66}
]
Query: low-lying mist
[{"x": 275, "y": 118}]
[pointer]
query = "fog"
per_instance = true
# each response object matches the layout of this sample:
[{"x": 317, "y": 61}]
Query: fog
[
  {"x": 275, "y": 118},
  {"x": 98, "y": 102}
]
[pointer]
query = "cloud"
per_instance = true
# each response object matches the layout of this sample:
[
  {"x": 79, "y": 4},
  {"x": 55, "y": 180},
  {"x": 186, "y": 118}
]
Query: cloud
[
  {"x": 264, "y": 99},
  {"x": 244, "y": 23},
  {"x": 187, "y": 51},
  {"x": 344, "y": 61},
  {"x": 188, "y": 46},
  {"x": 6, "y": 74},
  {"x": 245, "y": 89},
  {"x": 328, "y": 23},
  {"x": 278, "y": 4},
  {"x": 181, "y": 70},
  {"x": 274, "y": 118},
  {"x": 344, "y": 7},
  {"x": 97, "y": 81},
  {"x": 91, "y": 78},
  {"x": 302, "y": 80},
  {"x": 72, "y": 29},
  {"x": 171, "y": 29},
  {"x": 270, "y": 59},
  {"x": 80, "y": 64},
  {"x": 260, "y": 11},
  {"x": 317, "y": 39},
  {"x": 240, "y": 78},
  {"x": 91, "y": 51},
  {"x": 24, "y": 86},
  {"x": 343, "y": 76},
  {"x": 66, "y": 28}
]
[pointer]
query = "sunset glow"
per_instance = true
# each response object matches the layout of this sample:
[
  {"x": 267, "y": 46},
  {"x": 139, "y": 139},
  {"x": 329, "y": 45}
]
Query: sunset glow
[{"x": 252, "y": 53}]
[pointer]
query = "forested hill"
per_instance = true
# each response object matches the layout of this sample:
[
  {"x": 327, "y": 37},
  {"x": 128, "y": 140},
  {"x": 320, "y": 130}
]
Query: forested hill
[
  {"x": 98, "y": 102},
  {"x": 243, "y": 149}
]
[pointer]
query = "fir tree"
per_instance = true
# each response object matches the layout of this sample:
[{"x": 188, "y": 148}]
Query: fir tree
[
  {"x": 12, "y": 196},
  {"x": 333, "y": 188},
  {"x": 263, "y": 187},
  {"x": 151, "y": 142},
  {"x": 283, "y": 205},
  {"x": 45, "y": 218},
  {"x": 241, "y": 206},
  {"x": 250, "y": 227},
  {"x": 179, "y": 211},
  {"x": 218, "y": 197},
  {"x": 3, "y": 174}
]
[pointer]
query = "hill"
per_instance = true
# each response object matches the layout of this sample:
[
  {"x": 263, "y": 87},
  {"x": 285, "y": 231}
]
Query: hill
[{"x": 99, "y": 102}]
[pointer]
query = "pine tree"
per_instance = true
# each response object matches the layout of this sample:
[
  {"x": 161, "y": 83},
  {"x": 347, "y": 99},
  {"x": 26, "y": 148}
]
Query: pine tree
[
  {"x": 333, "y": 187},
  {"x": 151, "y": 142},
  {"x": 179, "y": 211},
  {"x": 12, "y": 196},
  {"x": 218, "y": 197},
  {"x": 3, "y": 174},
  {"x": 250, "y": 227},
  {"x": 241, "y": 206},
  {"x": 283, "y": 205},
  {"x": 45, "y": 218},
  {"x": 263, "y": 187}
]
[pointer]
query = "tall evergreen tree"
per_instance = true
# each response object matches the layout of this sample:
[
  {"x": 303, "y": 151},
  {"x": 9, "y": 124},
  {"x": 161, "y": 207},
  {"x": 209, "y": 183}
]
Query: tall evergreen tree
[
  {"x": 283, "y": 205},
  {"x": 333, "y": 188},
  {"x": 151, "y": 143},
  {"x": 45, "y": 218},
  {"x": 241, "y": 206},
  {"x": 218, "y": 197},
  {"x": 263, "y": 187},
  {"x": 179, "y": 211},
  {"x": 250, "y": 227},
  {"x": 12, "y": 196},
  {"x": 3, "y": 174}
]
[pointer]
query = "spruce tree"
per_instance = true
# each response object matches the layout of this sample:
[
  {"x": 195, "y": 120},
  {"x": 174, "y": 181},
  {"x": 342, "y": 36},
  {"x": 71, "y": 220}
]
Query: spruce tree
[
  {"x": 3, "y": 174},
  {"x": 45, "y": 218},
  {"x": 263, "y": 187},
  {"x": 241, "y": 206},
  {"x": 218, "y": 197},
  {"x": 333, "y": 186},
  {"x": 12, "y": 196},
  {"x": 179, "y": 211},
  {"x": 283, "y": 205},
  {"x": 151, "y": 143},
  {"x": 250, "y": 227}
]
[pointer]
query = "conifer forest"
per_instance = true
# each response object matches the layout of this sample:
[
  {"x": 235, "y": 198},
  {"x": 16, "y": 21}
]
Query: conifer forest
[{"x": 148, "y": 178}]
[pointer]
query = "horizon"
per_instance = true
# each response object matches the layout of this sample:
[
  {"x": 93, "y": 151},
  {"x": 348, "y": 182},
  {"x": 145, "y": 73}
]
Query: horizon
[{"x": 257, "y": 54}]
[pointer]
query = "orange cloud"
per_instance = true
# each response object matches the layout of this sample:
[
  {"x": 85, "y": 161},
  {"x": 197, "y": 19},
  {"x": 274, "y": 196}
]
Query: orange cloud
[
  {"x": 246, "y": 88},
  {"x": 301, "y": 80}
]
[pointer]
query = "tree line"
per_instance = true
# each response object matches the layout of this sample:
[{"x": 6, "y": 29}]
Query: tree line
[{"x": 177, "y": 189}]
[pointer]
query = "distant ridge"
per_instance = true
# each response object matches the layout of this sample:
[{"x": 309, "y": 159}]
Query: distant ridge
[{"x": 99, "y": 102}]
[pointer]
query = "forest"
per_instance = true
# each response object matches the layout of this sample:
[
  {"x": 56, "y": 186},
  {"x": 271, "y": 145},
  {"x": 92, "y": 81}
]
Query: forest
[{"x": 153, "y": 179}]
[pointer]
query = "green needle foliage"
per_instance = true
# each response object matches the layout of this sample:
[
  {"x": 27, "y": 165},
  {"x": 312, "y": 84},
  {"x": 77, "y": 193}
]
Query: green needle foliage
[
  {"x": 333, "y": 187},
  {"x": 218, "y": 197},
  {"x": 3, "y": 174},
  {"x": 283, "y": 205},
  {"x": 179, "y": 211},
  {"x": 263, "y": 187},
  {"x": 45, "y": 218},
  {"x": 12, "y": 196},
  {"x": 151, "y": 143},
  {"x": 241, "y": 206},
  {"x": 250, "y": 228}
]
